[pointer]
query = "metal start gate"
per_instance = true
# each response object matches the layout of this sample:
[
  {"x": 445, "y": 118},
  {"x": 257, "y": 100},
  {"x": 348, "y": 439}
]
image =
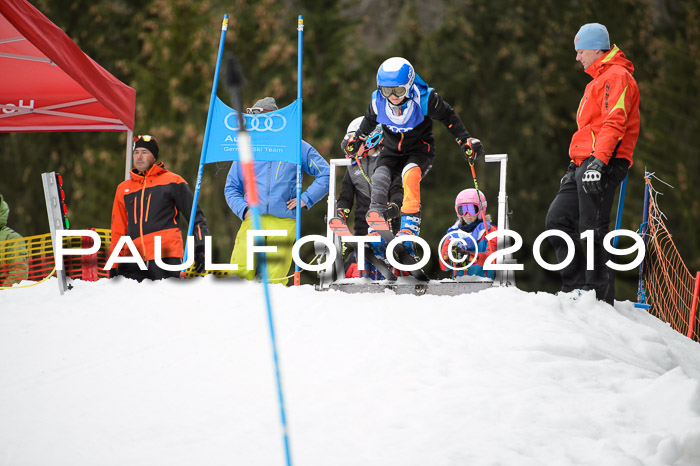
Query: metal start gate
[{"x": 333, "y": 277}]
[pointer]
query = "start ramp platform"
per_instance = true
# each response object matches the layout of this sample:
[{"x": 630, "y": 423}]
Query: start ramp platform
[
  {"x": 332, "y": 277},
  {"x": 409, "y": 285}
]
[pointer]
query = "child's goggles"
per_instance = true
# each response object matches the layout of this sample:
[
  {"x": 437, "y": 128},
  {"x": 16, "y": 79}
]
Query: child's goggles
[
  {"x": 464, "y": 209},
  {"x": 398, "y": 91}
]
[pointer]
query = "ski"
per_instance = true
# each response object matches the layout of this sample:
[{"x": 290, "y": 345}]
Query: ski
[
  {"x": 379, "y": 263},
  {"x": 340, "y": 228},
  {"x": 376, "y": 221}
]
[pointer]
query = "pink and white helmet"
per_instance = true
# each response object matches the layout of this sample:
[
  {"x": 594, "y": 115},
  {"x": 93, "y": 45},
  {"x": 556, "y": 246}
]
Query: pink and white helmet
[{"x": 469, "y": 201}]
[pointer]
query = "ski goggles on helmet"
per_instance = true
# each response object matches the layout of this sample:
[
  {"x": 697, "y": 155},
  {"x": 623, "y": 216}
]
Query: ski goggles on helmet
[
  {"x": 464, "y": 209},
  {"x": 145, "y": 138},
  {"x": 255, "y": 110},
  {"x": 398, "y": 91}
]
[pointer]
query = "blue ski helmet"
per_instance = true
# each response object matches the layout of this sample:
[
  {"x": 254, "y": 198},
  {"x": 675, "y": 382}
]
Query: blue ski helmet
[{"x": 396, "y": 72}]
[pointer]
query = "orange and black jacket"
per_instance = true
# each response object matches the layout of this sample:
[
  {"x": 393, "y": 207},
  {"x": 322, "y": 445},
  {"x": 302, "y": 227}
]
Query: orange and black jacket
[
  {"x": 149, "y": 205},
  {"x": 608, "y": 115}
]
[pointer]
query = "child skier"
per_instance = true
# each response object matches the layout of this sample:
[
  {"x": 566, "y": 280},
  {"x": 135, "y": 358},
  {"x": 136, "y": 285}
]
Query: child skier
[
  {"x": 356, "y": 189},
  {"x": 356, "y": 186},
  {"x": 405, "y": 107},
  {"x": 466, "y": 237}
]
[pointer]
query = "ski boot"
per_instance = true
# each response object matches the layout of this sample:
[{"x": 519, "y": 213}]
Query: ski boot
[
  {"x": 378, "y": 249},
  {"x": 410, "y": 225}
]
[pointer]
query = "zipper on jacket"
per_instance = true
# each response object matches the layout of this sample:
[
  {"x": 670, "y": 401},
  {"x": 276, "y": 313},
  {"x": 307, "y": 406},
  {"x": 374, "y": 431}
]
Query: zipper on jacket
[
  {"x": 148, "y": 207},
  {"x": 143, "y": 194},
  {"x": 400, "y": 141}
]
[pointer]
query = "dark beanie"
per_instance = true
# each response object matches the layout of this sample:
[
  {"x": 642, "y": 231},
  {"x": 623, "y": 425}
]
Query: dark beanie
[{"x": 151, "y": 145}]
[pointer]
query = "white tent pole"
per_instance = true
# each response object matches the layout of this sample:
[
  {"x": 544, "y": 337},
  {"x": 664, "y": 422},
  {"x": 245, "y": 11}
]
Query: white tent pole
[{"x": 129, "y": 138}]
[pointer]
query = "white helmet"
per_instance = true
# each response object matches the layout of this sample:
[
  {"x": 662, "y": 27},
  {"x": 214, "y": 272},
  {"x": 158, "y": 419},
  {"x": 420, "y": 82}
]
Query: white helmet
[{"x": 354, "y": 125}]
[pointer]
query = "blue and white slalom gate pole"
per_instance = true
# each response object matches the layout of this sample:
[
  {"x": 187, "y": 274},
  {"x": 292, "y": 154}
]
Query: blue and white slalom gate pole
[
  {"x": 207, "y": 130},
  {"x": 300, "y": 54},
  {"x": 620, "y": 208},
  {"x": 234, "y": 79},
  {"x": 641, "y": 285}
]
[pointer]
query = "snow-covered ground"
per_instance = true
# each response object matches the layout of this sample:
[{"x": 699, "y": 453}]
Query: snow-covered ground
[{"x": 181, "y": 373}]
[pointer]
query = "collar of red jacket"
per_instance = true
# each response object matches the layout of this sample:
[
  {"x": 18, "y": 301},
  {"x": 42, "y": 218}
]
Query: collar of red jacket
[
  {"x": 156, "y": 169},
  {"x": 614, "y": 57}
]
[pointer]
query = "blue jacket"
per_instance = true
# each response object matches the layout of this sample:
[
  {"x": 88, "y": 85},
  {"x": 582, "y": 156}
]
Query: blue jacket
[
  {"x": 276, "y": 182},
  {"x": 477, "y": 232}
]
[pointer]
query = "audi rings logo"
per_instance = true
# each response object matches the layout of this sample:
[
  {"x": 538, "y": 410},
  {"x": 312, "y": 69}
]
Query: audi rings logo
[
  {"x": 272, "y": 122},
  {"x": 398, "y": 129}
]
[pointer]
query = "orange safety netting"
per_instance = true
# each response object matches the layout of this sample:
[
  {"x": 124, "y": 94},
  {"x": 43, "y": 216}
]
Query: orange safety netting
[{"x": 666, "y": 283}]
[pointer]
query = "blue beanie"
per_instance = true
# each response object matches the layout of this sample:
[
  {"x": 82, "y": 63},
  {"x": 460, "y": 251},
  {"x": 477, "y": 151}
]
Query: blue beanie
[{"x": 592, "y": 36}]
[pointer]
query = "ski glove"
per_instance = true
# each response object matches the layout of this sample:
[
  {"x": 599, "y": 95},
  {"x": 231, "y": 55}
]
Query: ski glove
[
  {"x": 472, "y": 149},
  {"x": 392, "y": 211},
  {"x": 342, "y": 214},
  {"x": 351, "y": 144},
  {"x": 593, "y": 176},
  {"x": 461, "y": 256},
  {"x": 199, "y": 259},
  {"x": 570, "y": 173}
]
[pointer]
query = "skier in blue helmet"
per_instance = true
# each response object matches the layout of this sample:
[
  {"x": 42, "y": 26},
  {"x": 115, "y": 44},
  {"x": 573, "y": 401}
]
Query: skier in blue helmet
[{"x": 405, "y": 107}]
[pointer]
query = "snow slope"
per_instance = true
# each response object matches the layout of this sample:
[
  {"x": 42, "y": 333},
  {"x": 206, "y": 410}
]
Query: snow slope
[{"x": 180, "y": 373}]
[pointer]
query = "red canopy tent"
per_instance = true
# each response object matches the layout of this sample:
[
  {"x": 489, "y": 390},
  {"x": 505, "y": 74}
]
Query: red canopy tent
[{"x": 48, "y": 84}]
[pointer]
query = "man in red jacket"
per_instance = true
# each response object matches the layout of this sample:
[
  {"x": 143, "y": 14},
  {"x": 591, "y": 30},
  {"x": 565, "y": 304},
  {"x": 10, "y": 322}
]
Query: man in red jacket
[
  {"x": 601, "y": 153},
  {"x": 148, "y": 205}
]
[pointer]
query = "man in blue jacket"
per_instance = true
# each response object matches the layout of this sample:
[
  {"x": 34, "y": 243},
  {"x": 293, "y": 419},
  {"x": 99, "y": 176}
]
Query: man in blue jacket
[{"x": 276, "y": 183}]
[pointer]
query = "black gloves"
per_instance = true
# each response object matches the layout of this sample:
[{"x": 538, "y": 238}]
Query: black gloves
[
  {"x": 570, "y": 173},
  {"x": 199, "y": 259},
  {"x": 342, "y": 214},
  {"x": 472, "y": 149},
  {"x": 351, "y": 144},
  {"x": 392, "y": 211},
  {"x": 592, "y": 180}
]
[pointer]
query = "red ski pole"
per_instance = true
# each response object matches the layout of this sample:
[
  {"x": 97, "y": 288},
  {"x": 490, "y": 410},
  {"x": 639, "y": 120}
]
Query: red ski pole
[{"x": 478, "y": 191}]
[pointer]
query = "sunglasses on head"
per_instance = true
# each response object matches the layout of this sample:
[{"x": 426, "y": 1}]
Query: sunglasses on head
[
  {"x": 398, "y": 91},
  {"x": 464, "y": 209},
  {"x": 255, "y": 110},
  {"x": 145, "y": 138}
]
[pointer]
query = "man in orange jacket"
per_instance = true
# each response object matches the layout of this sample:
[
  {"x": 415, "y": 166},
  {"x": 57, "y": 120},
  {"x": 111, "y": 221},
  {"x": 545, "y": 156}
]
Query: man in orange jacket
[
  {"x": 148, "y": 205},
  {"x": 601, "y": 153}
]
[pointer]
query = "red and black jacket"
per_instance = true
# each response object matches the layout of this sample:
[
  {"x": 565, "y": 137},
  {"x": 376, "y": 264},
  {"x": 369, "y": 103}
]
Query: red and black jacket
[{"x": 149, "y": 205}]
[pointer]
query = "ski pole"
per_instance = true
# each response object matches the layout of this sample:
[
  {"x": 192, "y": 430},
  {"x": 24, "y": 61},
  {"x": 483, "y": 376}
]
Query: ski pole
[
  {"x": 234, "y": 80},
  {"x": 481, "y": 205}
]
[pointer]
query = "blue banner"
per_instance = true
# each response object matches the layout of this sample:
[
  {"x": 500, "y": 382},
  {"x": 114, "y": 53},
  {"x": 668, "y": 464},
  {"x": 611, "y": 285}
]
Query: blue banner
[{"x": 274, "y": 136}]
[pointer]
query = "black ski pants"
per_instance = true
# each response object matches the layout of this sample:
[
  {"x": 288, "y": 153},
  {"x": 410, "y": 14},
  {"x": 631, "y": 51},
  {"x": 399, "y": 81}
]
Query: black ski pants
[
  {"x": 390, "y": 165},
  {"x": 153, "y": 272},
  {"x": 573, "y": 211}
]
